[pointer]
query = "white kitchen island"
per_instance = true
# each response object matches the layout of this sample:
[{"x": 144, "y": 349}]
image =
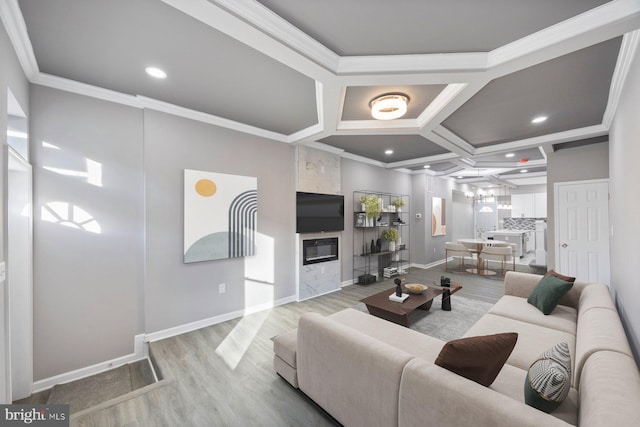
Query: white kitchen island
[{"x": 519, "y": 237}]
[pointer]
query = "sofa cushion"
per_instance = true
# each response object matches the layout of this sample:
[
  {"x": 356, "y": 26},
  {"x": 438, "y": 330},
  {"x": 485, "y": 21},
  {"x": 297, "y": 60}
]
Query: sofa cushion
[
  {"x": 531, "y": 338},
  {"x": 598, "y": 329},
  {"x": 595, "y": 296},
  {"x": 609, "y": 391},
  {"x": 284, "y": 345},
  {"x": 563, "y": 318},
  {"x": 549, "y": 379},
  {"x": 413, "y": 342},
  {"x": 342, "y": 370},
  {"x": 548, "y": 293},
  {"x": 479, "y": 359},
  {"x": 433, "y": 396},
  {"x": 509, "y": 383}
]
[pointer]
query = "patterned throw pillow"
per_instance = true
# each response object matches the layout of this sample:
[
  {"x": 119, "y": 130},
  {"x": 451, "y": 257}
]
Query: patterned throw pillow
[{"x": 549, "y": 379}]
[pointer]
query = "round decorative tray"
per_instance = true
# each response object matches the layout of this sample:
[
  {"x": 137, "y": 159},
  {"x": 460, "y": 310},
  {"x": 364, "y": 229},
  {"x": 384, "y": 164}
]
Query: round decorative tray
[{"x": 415, "y": 288}]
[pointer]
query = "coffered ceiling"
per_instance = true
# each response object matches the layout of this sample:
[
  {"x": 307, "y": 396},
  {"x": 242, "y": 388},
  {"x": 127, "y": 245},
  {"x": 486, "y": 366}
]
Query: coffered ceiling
[{"x": 304, "y": 72}]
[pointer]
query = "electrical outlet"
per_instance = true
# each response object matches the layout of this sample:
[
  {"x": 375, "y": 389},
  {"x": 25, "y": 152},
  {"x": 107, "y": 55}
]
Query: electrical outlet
[{"x": 222, "y": 288}]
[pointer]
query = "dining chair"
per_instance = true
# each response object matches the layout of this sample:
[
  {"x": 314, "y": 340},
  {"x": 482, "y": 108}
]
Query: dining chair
[
  {"x": 497, "y": 253},
  {"x": 456, "y": 250},
  {"x": 514, "y": 251}
]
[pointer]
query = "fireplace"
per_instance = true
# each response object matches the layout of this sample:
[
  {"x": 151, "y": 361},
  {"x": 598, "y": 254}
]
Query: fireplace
[{"x": 319, "y": 250}]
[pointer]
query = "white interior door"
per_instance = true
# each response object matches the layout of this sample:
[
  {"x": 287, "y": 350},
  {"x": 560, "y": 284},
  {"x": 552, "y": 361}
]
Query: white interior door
[
  {"x": 582, "y": 230},
  {"x": 19, "y": 275}
]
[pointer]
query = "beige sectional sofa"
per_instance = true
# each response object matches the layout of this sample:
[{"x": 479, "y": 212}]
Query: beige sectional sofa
[{"x": 365, "y": 371}]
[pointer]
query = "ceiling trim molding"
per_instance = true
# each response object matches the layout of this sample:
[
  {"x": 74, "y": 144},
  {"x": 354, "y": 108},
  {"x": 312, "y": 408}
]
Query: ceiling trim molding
[
  {"x": 511, "y": 165},
  {"x": 175, "y": 110},
  {"x": 454, "y": 139},
  {"x": 593, "y": 26},
  {"x": 553, "y": 138},
  {"x": 309, "y": 132},
  {"x": 261, "y": 17},
  {"x": 13, "y": 21},
  {"x": 360, "y": 127},
  {"x": 429, "y": 63},
  {"x": 628, "y": 49},
  {"x": 423, "y": 160},
  {"x": 324, "y": 147},
  {"x": 361, "y": 159},
  {"x": 220, "y": 19},
  {"x": 85, "y": 89},
  {"x": 441, "y": 101}
]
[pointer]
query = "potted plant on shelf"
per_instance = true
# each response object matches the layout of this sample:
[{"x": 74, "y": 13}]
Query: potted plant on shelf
[
  {"x": 391, "y": 235},
  {"x": 371, "y": 205},
  {"x": 398, "y": 203}
]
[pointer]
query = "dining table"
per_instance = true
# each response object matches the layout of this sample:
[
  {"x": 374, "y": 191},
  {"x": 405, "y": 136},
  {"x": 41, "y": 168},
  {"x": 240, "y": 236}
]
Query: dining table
[{"x": 475, "y": 246}]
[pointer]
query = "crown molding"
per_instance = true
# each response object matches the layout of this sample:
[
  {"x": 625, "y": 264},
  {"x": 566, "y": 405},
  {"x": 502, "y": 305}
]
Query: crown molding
[
  {"x": 13, "y": 21},
  {"x": 218, "y": 17},
  {"x": 377, "y": 127},
  {"x": 553, "y": 138},
  {"x": 628, "y": 50},
  {"x": 591, "y": 27},
  {"x": 443, "y": 99},
  {"x": 361, "y": 159},
  {"x": 267, "y": 21},
  {"x": 423, "y": 160},
  {"x": 324, "y": 147},
  {"x": 79, "y": 88},
  {"x": 454, "y": 139},
  {"x": 402, "y": 64},
  {"x": 175, "y": 110}
]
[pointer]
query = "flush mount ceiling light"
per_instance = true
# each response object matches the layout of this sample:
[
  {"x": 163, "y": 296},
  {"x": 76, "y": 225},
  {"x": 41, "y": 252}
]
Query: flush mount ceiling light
[
  {"x": 389, "y": 106},
  {"x": 156, "y": 72},
  {"x": 539, "y": 119}
]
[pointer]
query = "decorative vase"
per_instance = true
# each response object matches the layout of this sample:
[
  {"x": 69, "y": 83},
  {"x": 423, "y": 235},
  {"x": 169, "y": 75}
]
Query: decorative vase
[
  {"x": 362, "y": 207},
  {"x": 392, "y": 246},
  {"x": 373, "y": 247}
]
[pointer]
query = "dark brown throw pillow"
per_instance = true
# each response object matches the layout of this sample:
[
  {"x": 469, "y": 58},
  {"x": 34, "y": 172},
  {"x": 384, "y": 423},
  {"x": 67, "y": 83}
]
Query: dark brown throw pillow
[
  {"x": 479, "y": 359},
  {"x": 560, "y": 276}
]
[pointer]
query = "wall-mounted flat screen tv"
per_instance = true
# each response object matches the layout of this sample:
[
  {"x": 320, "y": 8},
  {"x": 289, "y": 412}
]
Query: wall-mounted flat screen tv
[{"x": 319, "y": 212}]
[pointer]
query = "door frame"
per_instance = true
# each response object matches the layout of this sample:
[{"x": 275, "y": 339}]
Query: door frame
[
  {"x": 556, "y": 213},
  {"x": 20, "y": 324}
]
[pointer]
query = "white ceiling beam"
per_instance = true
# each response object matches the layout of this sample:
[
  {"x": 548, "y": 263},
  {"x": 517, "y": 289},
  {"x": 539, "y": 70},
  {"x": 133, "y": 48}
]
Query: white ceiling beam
[
  {"x": 423, "y": 160},
  {"x": 219, "y": 17},
  {"x": 628, "y": 49},
  {"x": 16, "y": 28},
  {"x": 423, "y": 64},
  {"x": 591, "y": 27}
]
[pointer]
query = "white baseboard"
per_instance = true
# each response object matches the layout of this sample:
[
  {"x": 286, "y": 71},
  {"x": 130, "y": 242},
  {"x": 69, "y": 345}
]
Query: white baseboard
[
  {"x": 139, "y": 352},
  {"x": 319, "y": 295},
  {"x": 189, "y": 327},
  {"x": 433, "y": 264}
]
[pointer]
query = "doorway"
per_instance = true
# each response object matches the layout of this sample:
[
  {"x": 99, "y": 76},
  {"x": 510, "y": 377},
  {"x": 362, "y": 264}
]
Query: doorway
[{"x": 582, "y": 230}]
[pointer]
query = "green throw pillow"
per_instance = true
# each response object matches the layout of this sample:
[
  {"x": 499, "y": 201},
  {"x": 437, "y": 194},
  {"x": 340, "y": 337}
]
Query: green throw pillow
[
  {"x": 548, "y": 293},
  {"x": 549, "y": 379}
]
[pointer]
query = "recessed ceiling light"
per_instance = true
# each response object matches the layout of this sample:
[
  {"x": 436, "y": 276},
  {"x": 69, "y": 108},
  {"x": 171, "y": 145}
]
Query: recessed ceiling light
[
  {"x": 459, "y": 177},
  {"x": 524, "y": 170},
  {"x": 426, "y": 166},
  {"x": 539, "y": 119},
  {"x": 156, "y": 72},
  {"x": 509, "y": 155},
  {"x": 388, "y": 152},
  {"x": 389, "y": 106}
]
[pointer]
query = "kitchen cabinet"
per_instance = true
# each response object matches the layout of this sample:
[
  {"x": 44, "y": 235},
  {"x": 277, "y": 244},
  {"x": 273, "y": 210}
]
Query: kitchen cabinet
[
  {"x": 532, "y": 205},
  {"x": 540, "y": 205}
]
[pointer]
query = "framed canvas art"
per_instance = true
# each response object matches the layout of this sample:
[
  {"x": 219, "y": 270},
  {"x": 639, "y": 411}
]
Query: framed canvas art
[
  {"x": 220, "y": 213},
  {"x": 438, "y": 217}
]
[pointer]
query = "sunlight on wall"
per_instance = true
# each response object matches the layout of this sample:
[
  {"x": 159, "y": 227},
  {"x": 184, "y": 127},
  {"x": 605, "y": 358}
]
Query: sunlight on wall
[
  {"x": 258, "y": 295},
  {"x": 93, "y": 174},
  {"x": 70, "y": 216}
]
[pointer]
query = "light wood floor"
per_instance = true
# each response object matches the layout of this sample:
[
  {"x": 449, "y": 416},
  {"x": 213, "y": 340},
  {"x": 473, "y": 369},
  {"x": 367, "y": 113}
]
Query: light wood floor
[{"x": 222, "y": 375}]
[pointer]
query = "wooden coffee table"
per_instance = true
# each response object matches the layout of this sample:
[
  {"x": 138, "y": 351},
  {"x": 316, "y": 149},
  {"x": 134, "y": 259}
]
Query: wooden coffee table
[{"x": 379, "y": 304}]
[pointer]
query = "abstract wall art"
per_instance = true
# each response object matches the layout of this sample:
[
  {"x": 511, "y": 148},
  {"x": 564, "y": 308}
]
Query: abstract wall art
[
  {"x": 438, "y": 217},
  {"x": 220, "y": 212}
]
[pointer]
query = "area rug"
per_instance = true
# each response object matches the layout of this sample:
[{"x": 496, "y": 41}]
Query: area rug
[{"x": 445, "y": 325}]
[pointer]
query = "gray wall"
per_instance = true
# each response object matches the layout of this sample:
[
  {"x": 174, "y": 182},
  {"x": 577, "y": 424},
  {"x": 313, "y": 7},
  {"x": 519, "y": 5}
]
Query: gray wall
[
  {"x": 362, "y": 176},
  {"x": 572, "y": 164},
  {"x": 87, "y": 285},
  {"x": 624, "y": 205},
  {"x": 427, "y": 248},
  {"x": 178, "y": 293}
]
